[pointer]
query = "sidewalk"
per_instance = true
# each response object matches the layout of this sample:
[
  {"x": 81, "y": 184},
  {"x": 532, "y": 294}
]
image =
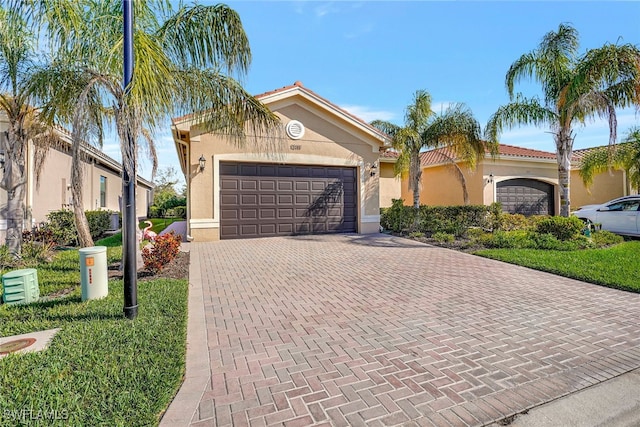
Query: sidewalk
[{"x": 613, "y": 403}]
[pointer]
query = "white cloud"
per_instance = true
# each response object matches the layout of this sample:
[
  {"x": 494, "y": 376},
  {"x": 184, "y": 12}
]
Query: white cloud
[{"x": 367, "y": 114}]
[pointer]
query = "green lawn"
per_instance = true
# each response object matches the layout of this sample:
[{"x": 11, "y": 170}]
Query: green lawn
[
  {"x": 100, "y": 369},
  {"x": 616, "y": 267}
]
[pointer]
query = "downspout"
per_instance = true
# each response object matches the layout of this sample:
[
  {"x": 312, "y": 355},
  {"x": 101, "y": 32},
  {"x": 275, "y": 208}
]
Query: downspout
[{"x": 30, "y": 186}]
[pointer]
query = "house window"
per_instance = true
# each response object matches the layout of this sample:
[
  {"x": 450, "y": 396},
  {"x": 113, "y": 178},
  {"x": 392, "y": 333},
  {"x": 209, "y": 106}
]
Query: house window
[{"x": 103, "y": 191}]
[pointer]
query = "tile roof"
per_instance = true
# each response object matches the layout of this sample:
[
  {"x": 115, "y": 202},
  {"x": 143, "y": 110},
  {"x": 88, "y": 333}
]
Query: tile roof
[
  {"x": 580, "y": 153},
  {"x": 442, "y": 155}
]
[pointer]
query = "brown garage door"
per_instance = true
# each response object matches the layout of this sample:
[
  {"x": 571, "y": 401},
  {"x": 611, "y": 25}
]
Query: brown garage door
[
  {"x": 525, "y": 196},
  {"x": 263, "y": 200}
]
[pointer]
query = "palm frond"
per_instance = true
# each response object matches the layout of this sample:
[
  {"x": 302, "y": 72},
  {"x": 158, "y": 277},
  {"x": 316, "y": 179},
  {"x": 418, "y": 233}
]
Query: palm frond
[
  {"x": 386, "y": 127},
  {"x": 206, "y": 37},
  {"x": 520, "y": 112}
]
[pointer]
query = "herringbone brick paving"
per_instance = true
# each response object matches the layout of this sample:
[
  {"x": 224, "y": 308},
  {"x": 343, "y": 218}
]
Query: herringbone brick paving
[{"x": 350, "y": 330}]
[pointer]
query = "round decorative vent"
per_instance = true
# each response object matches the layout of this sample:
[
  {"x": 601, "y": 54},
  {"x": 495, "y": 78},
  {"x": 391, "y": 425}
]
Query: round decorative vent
[{"x": 295, "y": 129}]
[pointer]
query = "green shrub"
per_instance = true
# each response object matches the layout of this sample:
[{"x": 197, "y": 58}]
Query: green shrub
[
  {"x": 99, "y": 222},
  {"x": 6, "y": 259},
  {"x": 516, "y": 239},
  {"x": 416, "y": 234},
  {"x": 397, "y": 217},
  {"x": 562, "y": 228},
  {"x": 606, "y": 238},
  {"x": 474, "y": 233},
  {"x": 36, "y": 253},
  {"x": 63, "y": 228},
  {"x": 155, "y": 212},
  {"x": 441, "y": 237}
]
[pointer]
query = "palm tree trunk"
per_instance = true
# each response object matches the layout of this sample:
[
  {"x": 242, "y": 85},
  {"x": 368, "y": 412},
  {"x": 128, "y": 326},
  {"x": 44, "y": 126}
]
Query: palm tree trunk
[
  {"x": 82, "y": 225},
  {"x": 563, "y": 153},
  {"x": 15, "y": 219},
  {"x": 13, "y": 182}
]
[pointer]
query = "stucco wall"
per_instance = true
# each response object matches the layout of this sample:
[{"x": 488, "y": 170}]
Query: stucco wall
[
  {"x": 390, "y": 185},
  {"x": 325, "y": 142},
  {"x": 605, "y": 186},
  {"x": 441, "y": 187}
]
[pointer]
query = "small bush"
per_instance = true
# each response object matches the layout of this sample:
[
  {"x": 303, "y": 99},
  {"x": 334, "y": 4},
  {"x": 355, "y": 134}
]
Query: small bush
[
  {"x": 39, "y": 234},
  {"x": 63, "y": 227},
  {"x": 6, "y": 259},
  {"x": 99, "y": 222},
  {"x": 517, "y": 239},
  {"x": 606, "y": 238},
  {"x": 474, "y": 233},
  {"x": 441, "y": 237},
  {"x": 36, "y": 253},
  {"x": 397, "y": 217},
  {"x": 416, "y": 235},
  {"x": 562, "y": 228},
  {"x": 163, "y": 250}
]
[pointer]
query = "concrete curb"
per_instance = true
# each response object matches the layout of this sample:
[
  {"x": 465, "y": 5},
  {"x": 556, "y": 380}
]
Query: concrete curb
[{"x": 198, "y": 372}]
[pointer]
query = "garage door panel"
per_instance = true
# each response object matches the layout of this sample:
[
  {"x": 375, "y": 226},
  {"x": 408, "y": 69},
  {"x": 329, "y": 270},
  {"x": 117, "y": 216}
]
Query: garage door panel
[
  {"x": 525, "y": 196},
  {"x": 248, "y": 214},
  {"x": 229, "y": 199},
  {"x": 229, "y": 184},
  {"x": 286, "y": 200},
  {"x": 249, "y": 185},
  {"x": 267, "y": 213},
  {"x": 285, "y": 213},
  {"x": 267, "y": 185},
  {"x": 249, "y": 199},
  {"x": 285, "y": 228},
  {"x": 229, "y": 214},
  {"x": 303, "y": 199},
  {"x": 268, "y": 229},
  {"x": 285, "y": 186},
  {"x": 302, "y": 185},
  {"x": 267, "y": 199}
]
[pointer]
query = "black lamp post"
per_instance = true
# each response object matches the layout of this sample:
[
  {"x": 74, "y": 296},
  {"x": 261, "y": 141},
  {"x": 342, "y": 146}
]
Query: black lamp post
[{"x": 129, "y": 226}]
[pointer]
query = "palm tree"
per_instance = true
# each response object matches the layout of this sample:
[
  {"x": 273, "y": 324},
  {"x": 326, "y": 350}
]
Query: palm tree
[
  {"x": 625, "y": 156},
  {"x": 25, "y": 131},
  {"x": 574, "y": 87},
  {"x": 455, "y": 129},
  {"x": 185, "y": 62}
]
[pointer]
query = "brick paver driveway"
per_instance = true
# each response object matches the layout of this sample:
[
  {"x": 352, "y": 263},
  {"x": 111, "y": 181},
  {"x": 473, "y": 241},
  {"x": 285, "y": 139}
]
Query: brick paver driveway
[{"x": 374, "y": 330}]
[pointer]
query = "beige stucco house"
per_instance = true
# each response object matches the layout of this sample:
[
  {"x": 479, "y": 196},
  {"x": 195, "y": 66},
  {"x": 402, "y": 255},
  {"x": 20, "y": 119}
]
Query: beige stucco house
[
  {"x": 102, "y": 185},
  {"x": 522, "y": 179},
  {"x": 321, "y": 173}
]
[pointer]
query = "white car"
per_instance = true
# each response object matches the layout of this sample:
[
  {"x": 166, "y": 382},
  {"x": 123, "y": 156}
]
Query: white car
[{"x": 620, "y": 216}]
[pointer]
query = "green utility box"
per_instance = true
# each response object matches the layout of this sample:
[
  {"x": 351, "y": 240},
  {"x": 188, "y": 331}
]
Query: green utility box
[{"x": 20, "y": 286}]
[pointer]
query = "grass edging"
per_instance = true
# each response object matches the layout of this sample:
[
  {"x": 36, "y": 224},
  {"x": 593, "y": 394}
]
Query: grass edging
[
  {"x": 100, "y": 369},
  {"x": 615, "y": 267}
]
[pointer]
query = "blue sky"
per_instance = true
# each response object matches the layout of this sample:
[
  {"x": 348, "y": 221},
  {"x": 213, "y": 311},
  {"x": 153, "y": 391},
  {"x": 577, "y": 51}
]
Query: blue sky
[{"x": 369, "y": 57}]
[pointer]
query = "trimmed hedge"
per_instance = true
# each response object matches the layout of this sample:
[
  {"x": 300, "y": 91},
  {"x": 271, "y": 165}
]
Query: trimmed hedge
[
  {"x": 62, "y": 226},
  {"x": 454, "y": 220}
]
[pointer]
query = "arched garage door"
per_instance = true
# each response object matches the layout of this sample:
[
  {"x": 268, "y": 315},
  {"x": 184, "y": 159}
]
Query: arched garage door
[
  {"x": 525, "y": 196},
  {"x": 265, "y": 200}
]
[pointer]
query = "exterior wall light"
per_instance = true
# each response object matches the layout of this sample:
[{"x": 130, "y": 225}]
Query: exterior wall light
[
  {"x": 202, "y": 162},
  {"x": 490, "y": 180},
  {"x": 371, "y": 168},
  {"x": 2, "y": 160}
]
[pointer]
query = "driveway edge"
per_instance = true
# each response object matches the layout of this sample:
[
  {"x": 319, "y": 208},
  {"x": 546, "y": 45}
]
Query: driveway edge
[{"x": 184, "y": 406}]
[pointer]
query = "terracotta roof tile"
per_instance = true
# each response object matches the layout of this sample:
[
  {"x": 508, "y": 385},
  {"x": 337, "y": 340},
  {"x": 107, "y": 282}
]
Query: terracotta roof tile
[{"x": 442, "y": 155}]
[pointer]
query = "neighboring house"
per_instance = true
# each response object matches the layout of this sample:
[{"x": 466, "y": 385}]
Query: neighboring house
[
  {"x": 102, "y": 186},
  {"x": 523, "y": 180},
  {"x": 321, "y": 174}
]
